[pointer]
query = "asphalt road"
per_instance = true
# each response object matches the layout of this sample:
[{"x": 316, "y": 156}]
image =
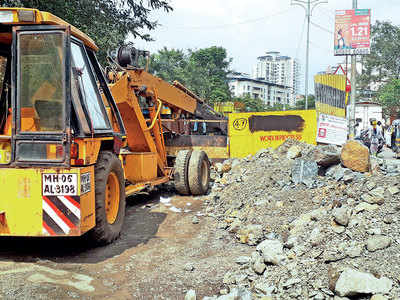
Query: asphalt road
[{"x": 388, "y": 154}]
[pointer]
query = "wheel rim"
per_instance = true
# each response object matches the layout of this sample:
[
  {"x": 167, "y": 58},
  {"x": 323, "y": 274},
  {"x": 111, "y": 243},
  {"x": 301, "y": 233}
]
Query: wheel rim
[
  {"x": 112, "y": 197},
  {"x": 204, "y": 173}
]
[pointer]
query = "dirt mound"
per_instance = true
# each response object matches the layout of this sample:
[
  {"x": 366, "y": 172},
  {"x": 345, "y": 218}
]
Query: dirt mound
[{"x": 307, "y": 230}]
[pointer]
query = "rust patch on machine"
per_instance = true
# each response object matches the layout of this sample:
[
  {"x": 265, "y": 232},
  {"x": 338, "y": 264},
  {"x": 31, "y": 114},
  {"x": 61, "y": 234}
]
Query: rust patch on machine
[{"x": 276, "y": 123}]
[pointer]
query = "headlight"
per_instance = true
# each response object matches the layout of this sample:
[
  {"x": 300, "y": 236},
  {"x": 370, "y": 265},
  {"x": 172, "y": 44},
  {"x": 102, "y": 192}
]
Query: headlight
[
  {"x": 6, "y": 16},
  {"x": 26, "y": 16}
]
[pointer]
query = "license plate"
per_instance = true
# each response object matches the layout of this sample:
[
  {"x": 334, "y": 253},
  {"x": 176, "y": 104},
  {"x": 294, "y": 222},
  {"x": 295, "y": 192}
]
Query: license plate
[
  {"x": 6, "y": 16},
  {"x": 59, "y": 184}
]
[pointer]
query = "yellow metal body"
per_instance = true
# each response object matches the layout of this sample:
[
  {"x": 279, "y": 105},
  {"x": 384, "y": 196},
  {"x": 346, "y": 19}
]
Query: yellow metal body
[
  {"x": 145, "y": 166},
  {"x": 22, "y": 204},
  {"x": 88, "y": 150},
  {"x": 112, "y": 198},
  {"x": 140, "y": 138},
  {"x": 44, "y": 18},
  {"x": 168, "y": 94},
  {"x": 245, "y": 139}
]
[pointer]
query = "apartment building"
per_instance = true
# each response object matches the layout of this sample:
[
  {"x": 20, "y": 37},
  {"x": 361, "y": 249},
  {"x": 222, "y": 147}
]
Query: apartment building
[
  {"x": 278, "y": 69},
  {"x": 241, "y": 84}
]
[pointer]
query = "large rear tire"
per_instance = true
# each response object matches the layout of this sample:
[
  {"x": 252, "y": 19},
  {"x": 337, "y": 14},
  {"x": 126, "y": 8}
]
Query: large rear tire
[
  {"x": 109, "y": 198},
  {"x": 199, "y": 173},
  {"x": 181, "y": 180}
]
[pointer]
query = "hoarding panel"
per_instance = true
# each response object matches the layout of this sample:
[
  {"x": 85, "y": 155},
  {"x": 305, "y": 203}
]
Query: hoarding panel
[
  {"x": 352, "y": 32},
  {"x": 251, "y": 132},
  {"x": 330, "y": 94}
]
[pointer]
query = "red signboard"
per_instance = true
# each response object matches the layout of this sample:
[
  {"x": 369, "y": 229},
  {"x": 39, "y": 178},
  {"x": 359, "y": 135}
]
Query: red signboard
[{"x": 352, "y": 31}]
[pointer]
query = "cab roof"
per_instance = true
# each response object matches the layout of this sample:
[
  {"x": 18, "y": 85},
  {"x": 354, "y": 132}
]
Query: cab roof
[{"x": 30, "y": 16}]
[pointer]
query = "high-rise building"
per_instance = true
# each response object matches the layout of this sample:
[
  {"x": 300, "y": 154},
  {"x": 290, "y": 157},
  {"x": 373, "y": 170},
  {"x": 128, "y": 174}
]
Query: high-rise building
[{"x": 278, "y": 69}]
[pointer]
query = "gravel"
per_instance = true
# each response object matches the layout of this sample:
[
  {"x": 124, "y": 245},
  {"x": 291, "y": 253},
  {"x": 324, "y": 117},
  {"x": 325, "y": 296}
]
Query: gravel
[{"x": 302, "y": 224}]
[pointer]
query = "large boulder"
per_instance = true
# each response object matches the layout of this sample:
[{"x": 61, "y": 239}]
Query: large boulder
[
  {"x": 352, "y": 282},
  {"x": 355, "y": 156},
  {"x": 326, "y": 156}
]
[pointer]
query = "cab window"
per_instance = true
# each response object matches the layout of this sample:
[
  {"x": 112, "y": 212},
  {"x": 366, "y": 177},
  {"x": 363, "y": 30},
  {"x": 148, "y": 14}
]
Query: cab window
[
  {"x": 41, "y": 90},
  {"x": 89, "y": 90}
]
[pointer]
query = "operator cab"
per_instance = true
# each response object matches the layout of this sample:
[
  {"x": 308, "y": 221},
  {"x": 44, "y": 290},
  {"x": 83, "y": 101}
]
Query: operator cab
[{"x": 52, "y": 92}]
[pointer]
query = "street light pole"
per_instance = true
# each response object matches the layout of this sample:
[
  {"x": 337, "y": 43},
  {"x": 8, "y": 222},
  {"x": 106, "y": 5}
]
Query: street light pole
[
  {"x": 353, "y": 79},
  {"x": 308, "y": 6}
]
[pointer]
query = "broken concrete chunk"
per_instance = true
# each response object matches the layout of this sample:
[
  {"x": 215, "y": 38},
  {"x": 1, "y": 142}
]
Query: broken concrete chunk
[{"x": 352, "y": 282}]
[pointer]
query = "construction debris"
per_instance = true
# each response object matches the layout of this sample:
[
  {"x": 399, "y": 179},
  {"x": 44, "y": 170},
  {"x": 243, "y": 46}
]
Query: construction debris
[{"x": 319, "y": 229}]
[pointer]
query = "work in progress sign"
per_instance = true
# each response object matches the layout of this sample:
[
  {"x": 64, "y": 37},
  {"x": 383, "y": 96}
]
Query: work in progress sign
[{"x": 332, "y": 130}]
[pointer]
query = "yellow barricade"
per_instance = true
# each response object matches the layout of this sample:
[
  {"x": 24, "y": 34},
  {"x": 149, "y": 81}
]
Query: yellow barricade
[
  {"x": 330, "y": 94},
  {"x": 251, "y": 132}
]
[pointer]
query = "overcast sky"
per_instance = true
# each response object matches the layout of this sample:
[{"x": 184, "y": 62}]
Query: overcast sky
[{"x": 247, "y": 29}]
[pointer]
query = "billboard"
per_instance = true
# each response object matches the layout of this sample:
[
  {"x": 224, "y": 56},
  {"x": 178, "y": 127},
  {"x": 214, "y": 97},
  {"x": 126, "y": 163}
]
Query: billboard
[
  {"x": 251, "y": 132},
  {"x": 352, "y": 31}
]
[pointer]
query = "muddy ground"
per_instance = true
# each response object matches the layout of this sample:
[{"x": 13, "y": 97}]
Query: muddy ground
[{"x": 148, "y": 261}]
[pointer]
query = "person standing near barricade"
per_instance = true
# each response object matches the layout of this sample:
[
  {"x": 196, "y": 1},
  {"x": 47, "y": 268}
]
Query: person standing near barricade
[{"x": 375, "y": 137}]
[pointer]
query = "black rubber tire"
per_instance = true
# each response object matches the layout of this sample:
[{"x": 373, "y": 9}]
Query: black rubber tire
[
  {"x": 199, "y": 173},
  {"x": 181, "y": 181},
  {"x": 104, "y": 233}
]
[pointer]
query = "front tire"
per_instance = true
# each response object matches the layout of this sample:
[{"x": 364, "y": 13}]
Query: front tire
[{"x": 109, "y": 198}]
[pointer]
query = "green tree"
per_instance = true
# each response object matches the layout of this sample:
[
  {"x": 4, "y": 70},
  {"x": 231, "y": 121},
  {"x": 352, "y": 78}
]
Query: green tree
[
  {"x": 107, "y": 22},
  {"x": 383, "y": 63},
  {"x": 213, "y": 65},
  {"x": 389, "y": 96},
  {"x": 169, "y": 65},
  {"x": 276, "y": 107},
  {"x": 251, "y": 104},
  {"x": 203, "y": 71},
  {"x": 301, "y": 104}
]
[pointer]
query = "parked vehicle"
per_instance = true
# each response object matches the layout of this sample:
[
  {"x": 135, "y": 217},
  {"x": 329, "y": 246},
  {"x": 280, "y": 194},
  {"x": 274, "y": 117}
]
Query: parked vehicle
[{"x": 74, "y": 143}]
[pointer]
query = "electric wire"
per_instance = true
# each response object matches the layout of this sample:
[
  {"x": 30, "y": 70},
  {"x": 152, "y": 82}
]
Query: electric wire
[
  {"x": 232, "y": 24},
  {"x": 322, "y": 28},
  {"x": 322, "y": 48},
  {"x": 327, "y": 13}
]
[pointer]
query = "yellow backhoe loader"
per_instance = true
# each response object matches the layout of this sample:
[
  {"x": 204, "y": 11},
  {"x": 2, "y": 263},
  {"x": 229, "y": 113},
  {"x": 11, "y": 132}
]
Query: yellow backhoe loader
[{"x": 75, "y": 140}]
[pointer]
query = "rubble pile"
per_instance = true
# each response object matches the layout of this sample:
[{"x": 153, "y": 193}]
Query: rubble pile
[{"x": 319, "y": 230}]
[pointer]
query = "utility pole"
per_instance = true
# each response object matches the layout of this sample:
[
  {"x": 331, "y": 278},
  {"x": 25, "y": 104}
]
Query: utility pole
[
  {"x": 308, "y": 6},
  {"x": 353, "y": 81}
]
